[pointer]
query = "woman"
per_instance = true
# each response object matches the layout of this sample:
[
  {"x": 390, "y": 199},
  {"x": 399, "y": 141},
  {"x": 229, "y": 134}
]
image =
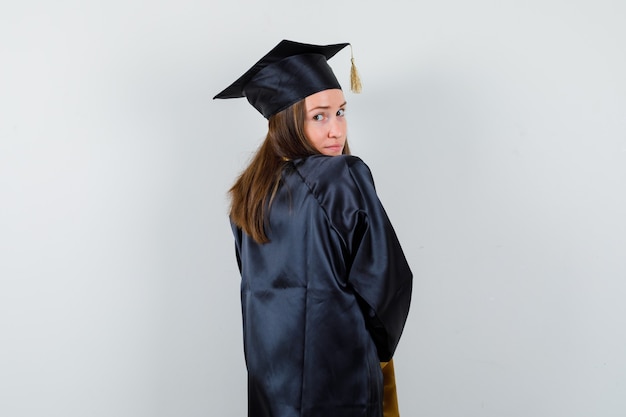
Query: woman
[{"x": 325, "y": 285}]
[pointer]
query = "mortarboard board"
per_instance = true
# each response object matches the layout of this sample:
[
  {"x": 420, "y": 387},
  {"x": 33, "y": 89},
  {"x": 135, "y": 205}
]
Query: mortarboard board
[{"x": 287, "y": 74}]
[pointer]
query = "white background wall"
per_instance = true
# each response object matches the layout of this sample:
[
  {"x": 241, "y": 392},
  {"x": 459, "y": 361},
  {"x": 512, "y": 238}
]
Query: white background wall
[{"x": 496, "y": 132}]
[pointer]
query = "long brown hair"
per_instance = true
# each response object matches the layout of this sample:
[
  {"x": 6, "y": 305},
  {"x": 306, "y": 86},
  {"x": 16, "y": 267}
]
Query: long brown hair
[{"x": 253, "y": 192}]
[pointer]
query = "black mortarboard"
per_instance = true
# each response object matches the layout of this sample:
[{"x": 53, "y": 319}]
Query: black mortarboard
[{"x": 287, "y": 74}]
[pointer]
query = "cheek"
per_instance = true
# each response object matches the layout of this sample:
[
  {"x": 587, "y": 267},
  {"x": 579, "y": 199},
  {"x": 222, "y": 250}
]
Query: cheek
[
  {"x": 312, "y": 134},
  {"x": 307, "y": 130}
]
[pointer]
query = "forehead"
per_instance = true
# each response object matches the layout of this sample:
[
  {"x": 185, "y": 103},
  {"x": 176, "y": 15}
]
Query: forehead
[{"x": 325, "y": 98}]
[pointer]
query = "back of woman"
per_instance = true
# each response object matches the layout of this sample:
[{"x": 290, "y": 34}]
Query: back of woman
[{"x": 325, "y": 286}]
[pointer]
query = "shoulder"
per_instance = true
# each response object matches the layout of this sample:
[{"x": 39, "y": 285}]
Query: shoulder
[
  {"x": 336, "y": 171},
  {"x": 343, "y": 179}
]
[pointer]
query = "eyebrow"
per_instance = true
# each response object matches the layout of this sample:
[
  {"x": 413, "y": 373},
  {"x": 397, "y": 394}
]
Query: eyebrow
[{"x": 325, "y": 107}]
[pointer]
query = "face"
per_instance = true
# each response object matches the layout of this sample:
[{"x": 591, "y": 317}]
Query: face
[{"x": 325, "y": 124}]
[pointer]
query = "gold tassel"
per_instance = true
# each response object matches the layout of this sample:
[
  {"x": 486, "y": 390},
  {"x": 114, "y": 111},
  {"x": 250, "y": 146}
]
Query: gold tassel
[{"x": 355, "y": 80}]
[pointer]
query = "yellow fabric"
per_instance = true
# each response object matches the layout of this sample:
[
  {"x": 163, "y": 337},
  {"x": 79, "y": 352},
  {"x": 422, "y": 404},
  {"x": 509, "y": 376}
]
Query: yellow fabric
[{"x": 390, "y": 395}]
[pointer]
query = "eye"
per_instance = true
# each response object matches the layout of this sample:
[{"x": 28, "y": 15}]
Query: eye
[
  {"x": 318, "y": 117},
  {"x": 341, "y": 112}
]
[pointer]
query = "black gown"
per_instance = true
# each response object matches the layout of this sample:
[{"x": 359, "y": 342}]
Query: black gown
[{"x": 327, "y": 299}]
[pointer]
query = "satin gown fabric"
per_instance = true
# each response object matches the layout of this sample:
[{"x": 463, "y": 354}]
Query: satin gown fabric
[{"x": 326, "y": 300}]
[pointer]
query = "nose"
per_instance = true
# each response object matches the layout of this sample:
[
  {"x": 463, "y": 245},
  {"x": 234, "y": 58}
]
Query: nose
[{"x": 336, "y": 128}]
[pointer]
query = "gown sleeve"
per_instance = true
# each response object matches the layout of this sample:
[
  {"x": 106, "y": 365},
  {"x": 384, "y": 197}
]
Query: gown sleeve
[
  {"x": 378, "y": 272},
  {"x": 237, "y": 232}
]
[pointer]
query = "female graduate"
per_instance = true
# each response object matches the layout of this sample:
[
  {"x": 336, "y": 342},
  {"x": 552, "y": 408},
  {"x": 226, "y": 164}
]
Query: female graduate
[{"x": 325, "y": 287}]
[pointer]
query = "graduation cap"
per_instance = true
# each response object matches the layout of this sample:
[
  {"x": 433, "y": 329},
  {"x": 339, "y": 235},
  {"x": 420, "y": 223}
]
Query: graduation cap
[{"x": 287, "y": 74}]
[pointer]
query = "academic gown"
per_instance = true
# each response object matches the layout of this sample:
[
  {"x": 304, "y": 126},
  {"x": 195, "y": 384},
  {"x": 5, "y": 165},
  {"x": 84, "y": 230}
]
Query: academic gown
[{"x": 326, "y": 300}]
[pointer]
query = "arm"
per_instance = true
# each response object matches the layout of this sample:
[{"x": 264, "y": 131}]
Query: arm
[{"x": 379, "y": 272}]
